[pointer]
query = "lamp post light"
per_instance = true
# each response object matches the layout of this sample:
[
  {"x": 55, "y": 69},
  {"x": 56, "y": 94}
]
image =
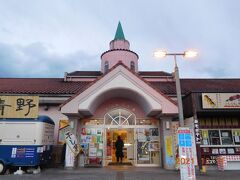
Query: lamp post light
[{"x": 187, "y": 54}]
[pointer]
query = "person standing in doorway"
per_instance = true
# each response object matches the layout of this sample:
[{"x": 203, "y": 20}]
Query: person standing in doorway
[{"x": 119, "y": 149}]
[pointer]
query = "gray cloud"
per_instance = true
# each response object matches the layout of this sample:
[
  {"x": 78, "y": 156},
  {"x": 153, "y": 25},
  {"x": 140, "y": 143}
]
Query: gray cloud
[
  {"x": 67, "y": 31},
  {"x": 35, "y": 60}
]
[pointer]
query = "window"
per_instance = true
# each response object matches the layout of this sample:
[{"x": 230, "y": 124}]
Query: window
[
  {"x": 214, "y": 137},
  {"x": 91, "y": 141},
  {"x": 153, "y": 122},
  {"x": 236, "y": 136},
  {"x": 226, "y": 136},
  {"x": 220, "y": 137},
  {"x": 147, "y": 146},
  {"x": 120, "y": 117},
  {"x": 87, "y": 122},
  {"x": 106, "y": 66},
  {"x": 132, "y": 65}
]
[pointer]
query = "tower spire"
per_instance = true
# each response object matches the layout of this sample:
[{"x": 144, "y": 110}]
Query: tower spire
[
  {"x": 119, "y": 32},
  {"x": 119, "y": 51}
]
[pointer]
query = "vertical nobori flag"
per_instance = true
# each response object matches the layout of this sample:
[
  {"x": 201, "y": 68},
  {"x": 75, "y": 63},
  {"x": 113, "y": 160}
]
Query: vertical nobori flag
[{"x": 72, "y": 142}]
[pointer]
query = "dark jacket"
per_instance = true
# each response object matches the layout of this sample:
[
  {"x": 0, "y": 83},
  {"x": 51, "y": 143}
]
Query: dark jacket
[{"x": 119, "y": 148}]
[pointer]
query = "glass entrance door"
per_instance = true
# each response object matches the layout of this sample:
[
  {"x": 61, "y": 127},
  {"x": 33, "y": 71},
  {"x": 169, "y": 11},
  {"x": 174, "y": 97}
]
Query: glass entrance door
[
  {"x": 141, "y": 138},
  {"x": 127, "y": 135}
]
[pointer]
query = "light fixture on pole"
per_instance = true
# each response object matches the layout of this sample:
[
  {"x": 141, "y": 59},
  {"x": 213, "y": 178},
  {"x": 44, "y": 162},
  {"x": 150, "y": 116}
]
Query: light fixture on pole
[{"x": 187, "y": 54}]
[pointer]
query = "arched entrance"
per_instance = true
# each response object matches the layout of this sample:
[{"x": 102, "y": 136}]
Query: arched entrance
[
  {"x": 120, "y": 122},
  {"x": 141, "y": 138}
]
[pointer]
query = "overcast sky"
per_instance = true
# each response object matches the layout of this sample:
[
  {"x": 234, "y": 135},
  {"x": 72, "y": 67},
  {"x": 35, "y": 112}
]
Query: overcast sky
[{"x": 45, "y": 38}]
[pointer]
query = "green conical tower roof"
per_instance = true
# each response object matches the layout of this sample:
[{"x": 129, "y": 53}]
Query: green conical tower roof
[{"x": 119, "y": 33}]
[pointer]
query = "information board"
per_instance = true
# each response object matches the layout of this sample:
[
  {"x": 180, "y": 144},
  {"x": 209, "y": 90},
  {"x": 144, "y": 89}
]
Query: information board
[{"x": 186, "y": 157}]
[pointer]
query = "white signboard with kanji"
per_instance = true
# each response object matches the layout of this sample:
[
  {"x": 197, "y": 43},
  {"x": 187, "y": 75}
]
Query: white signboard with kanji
[
  {"x": 186, "y": 156},
  {"x": 72, "y": 142}
]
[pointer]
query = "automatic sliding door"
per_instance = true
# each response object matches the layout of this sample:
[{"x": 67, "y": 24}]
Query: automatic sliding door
[{"x": 127, "y": 136}]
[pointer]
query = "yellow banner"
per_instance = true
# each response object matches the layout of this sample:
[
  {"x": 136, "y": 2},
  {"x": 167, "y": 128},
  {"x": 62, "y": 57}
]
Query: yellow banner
[
  {"x": 205, "y": 134},
  {"x": 63, "y": 128},
  {"x": 169, "y": 146},
  {"x": 19, "y": 106}
]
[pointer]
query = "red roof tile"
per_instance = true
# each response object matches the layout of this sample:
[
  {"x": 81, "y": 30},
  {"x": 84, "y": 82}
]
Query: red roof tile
[
  {"x": 154, "y": 73},
  {"x": 58, "y": 86},
  {"x": 39, "y": 86},
  {"x": 99, "y": 73},
  {"x": 200, "y": 85},
  {"x": 211, "y": 85},
  {"x": 85, "y": 73}
]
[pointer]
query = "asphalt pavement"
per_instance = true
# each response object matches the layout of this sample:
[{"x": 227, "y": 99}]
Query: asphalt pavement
[{"x": 118, "y": 173}]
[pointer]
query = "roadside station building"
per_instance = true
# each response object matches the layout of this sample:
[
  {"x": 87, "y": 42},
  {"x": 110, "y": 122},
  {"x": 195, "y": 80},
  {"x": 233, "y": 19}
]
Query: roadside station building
[{"x": 140, "y": 106}]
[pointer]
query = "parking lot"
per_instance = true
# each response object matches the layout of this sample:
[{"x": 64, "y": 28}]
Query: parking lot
[{"x": 117, "y": 173}]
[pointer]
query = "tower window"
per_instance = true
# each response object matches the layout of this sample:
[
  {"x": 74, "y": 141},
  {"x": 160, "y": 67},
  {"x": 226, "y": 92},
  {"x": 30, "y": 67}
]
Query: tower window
[
  {"x": 106, "y": 66},
  {"x": 132, "y": 66}
]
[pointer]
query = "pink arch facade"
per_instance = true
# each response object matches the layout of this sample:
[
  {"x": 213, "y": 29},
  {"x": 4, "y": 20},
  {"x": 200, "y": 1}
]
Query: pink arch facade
[
  {"x": 120, "y": 87},
  {"x": 119, "y": 103}
]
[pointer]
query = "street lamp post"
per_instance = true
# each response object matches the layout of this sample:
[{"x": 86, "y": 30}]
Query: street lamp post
[
  {"x": 188, "y": 54},
  {"x": 179, "y": 94},
  {"x": 185, "y": 149}
]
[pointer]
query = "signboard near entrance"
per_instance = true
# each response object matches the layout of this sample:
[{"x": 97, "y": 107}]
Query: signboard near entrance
[
  {"x": 72, "y": 142},
  {"x": 19, "y": 106},
  {"x": 186, "y": 157},
  {"x": 220, "y": 100}
]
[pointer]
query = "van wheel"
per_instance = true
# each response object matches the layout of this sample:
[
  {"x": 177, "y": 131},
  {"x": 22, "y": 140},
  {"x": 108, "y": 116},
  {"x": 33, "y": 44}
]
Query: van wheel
[{"x": 3, "y": 168}]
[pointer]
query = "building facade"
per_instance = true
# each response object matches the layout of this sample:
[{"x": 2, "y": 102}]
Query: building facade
[
  {"x": 140, "y": 106},
  {"x": 215, "y": 118}
]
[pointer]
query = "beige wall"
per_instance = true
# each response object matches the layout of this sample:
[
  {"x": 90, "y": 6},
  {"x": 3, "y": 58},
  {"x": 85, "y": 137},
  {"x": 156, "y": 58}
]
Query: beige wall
[{"x": 55, "y": 114}]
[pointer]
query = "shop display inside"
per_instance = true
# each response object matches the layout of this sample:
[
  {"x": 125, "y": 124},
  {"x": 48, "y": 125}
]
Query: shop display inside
[
  {"x": 219, "y": 136},
  {"x": 91, "y": 140}
]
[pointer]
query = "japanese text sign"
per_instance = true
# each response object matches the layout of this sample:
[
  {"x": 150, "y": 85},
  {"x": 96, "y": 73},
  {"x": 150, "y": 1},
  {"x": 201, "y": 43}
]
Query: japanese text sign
[
  {"x": 186, "y": 159},
  {"x": 72, "y": 142},
  {"x": 19, "y": 106}
]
